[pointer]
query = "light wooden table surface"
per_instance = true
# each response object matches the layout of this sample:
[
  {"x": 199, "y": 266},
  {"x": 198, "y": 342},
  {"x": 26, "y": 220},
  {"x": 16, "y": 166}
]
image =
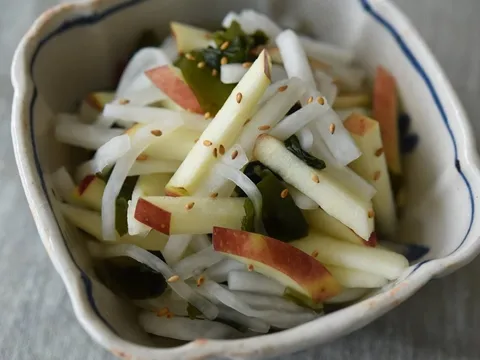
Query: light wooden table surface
[{"x": 36, "y": 321}]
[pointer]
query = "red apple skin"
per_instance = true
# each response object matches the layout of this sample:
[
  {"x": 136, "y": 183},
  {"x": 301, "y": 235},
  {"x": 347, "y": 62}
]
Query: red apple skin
[
  {"x": 85, "y": 183},
  {"x": 166, "y": 79},
  {"x": 153, "y": 216},
  {"x": 299, "y": 266}
]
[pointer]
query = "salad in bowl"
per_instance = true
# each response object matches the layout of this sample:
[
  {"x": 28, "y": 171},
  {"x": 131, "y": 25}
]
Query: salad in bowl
[{"x": 241, "y": 181}]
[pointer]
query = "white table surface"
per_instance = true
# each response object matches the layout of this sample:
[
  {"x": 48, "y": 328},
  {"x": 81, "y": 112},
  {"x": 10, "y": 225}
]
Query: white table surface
[{"x": 36, "y": 320}]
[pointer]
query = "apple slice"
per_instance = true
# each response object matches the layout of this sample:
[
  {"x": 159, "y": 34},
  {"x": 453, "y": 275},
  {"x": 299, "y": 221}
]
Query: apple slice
[
  {"x": 223, "y": 129},
  {"x": 189, "y": 37},
  {"x": 372, "y": 166},
  {"x": 350, "y": 278},
  {"x": 189, "y": 215},
  {"x": 89, "y": 192},
  {"x": 330, "y": 251},
  {"x": 91, "y": 222},
  {"x": 385, "y": 111},
  {"x": 92, "y": 106},
  {"x": 279, "y": 261},
  {"x": 343, "y": 102},
  {"x": 319, "y": 220},
  {"x": 320, "y": 186},
  {"x": 169, "y": 79}
]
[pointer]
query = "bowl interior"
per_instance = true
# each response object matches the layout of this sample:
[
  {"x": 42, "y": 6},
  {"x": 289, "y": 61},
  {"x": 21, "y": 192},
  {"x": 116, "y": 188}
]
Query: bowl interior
[{"x": 83, "y": 54}]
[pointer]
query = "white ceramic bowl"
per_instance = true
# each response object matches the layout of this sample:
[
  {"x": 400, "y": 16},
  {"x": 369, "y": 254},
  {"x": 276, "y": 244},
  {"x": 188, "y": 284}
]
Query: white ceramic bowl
[{"x": 73, "y": 49}]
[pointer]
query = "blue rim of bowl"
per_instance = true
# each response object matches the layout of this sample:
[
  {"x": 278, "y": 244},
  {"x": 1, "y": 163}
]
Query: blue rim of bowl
[{"x": 96, "y": 17}]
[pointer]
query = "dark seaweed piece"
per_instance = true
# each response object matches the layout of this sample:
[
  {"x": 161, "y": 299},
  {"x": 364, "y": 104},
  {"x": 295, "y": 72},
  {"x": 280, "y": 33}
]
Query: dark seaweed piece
[{"x": 293, "y": 145}]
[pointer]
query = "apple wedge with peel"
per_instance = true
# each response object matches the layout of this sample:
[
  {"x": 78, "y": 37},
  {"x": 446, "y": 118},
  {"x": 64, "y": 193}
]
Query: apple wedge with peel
[
  {"x": 320, "y": 221},
  {"x": 330, "y": 251},
  {"x": 169, "y": 79},
  {"x": 223, "y": 130},
  {"x": 372, "y": 166},
  {"x": 92, "y": 106},
  {"x": 189, "y": 37},
  {"x": 279, "y": 261},
  {"x": 319, "y": 185},
  {"x": 91, "y": 222},
  {"x": 192, "y": 215},
  {"x": 89, "y": 192}
]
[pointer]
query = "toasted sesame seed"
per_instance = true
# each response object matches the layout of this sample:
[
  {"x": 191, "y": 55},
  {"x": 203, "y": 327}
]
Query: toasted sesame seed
[
  {"x": 207, "y": 143},
  {"x": 123, "y": 101},
  {"x": 315, "y": 178},
  {"x": 207, "y": 115},
  {"x": 284, "y": 193},
  {"x": 214, "y": 195},
  {"x": 200, "y": 281},
  {"x": 247, "y": 64},
  {"x": 315, "y": 253},
  {"x": 239, "y": 97},
  {"x": 371, "y": 214},
  {"x": 214, "y": 72},
  {"x": 163, "y": 311},
  {"x": 376, "y": 175},
  {"x": 331, "y": 128},
  {"x": 142, "y": 157},
  {"x": 221, "y": 149},
  {"x": 189, "y": 56},
  {"x": 310, "y": 100},
  {"x": 320, "y": 100},
  {"x": 201, "y": 64},
  {"x": 190, "y": 205},
  {"x": 170, "y": 315},
  {"x": 195, "y": 141},
  {"x": 234, "y": 154},
  {"x": 379, "y": 152},
  {"x": 250, "y": 267},
  {"x": 225, "y": 45},
  {"x": 215, "y": 152},
  {"x": 283, "y": 88},
  {"x": 264, "y": 127},
  {"x": 246, "y": 122},
  {"x": 173, "y": 278},
  {"x": 224, "y": 60},
  {"x": 156, "y": 132}
]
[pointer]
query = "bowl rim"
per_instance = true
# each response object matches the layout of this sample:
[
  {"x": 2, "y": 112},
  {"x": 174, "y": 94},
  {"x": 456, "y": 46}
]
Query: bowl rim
[{"x": 79, "y": 286}]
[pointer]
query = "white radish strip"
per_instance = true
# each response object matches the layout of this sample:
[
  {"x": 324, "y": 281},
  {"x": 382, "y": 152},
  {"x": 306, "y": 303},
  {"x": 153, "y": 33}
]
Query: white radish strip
[
  {"x": 194, "y": 264},
  {"x": 271, "y": 90},
  {"x": 328, "y": 53},
  {"x": 351, "y": 79},
  {"x": 250, "y": 323},
  {"x": 69, "y": 130},
  {"x": 219, "y": 272},
  {"x": 271, "y": 113},
  {"x": 200, "y": 242},
  {"x": 251, "y": 20},
  {"x": 278, "y": 73},
  {"x": 232, "y": 73},
  {"x": 248, "y": 187},
  {"x": 105, "y": 156},
  {"x": 320, "y": 149},
  {"x": 300, "y": 199},
  {"x": 229, "y": 18},
  {"x": 143, "y": 60},
  {"x": 63, "y": 184},
  {"x": 294, "y": 58},
  {"x": 347, "y": 295},
  {"x": 176, "y": 306},
  {"x": 140, "y": 140},
  {"x": 326, "y": 86},
  {"x": 254, "y": 282},
  {"x": 340, "y": 253},
  {"x": 145, "y": 95},
  {"x": 103, "y": 121},
  {"x": 175, "y": 248},
  {"x": 296, "y": 121},
  {"x": 146, "y": 167},
  {"x": 305, "y": 136},
  {"x": 158, "y": 116},
  {"x": 268, "y": 302},
  {"x": 235, "y": 157},
  {"x": 353, "y": 182},
  {"x": 185, "y": 328},
  {"x": 169, "y": 47},
  {"x": 356, "y": 278},
  {"x": 143, "y": 256}
]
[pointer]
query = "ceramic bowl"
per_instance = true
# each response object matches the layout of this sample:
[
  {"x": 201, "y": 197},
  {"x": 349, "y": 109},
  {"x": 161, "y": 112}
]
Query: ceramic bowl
[{"x": 74, "y": 48}]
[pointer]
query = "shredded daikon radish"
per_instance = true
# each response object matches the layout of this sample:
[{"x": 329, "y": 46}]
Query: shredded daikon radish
[
  {"x": 353, "y": 182},
  {"x": 351, "y": 79},
  {"x": 63, "y": 184},
  {"x": 175, "y": 248},
  {"x": 69, "y": 130},
  {"x": 145, "y": 167},
  {"x": 254, "y": 282},
  {"x": 194, "y": 264},
  {"x": 251, "y": 21},
  {"x": 232, "y": 73},
  {"x": 145, "y": 95},
  {"x": 278, "y": 73},
  {"x": 305, "y": 136},
  {"x": 103, "y": 121},
  {"x": 235, "y": 157},
  {"x": 250, "y": 323},
  {"x": 186, "y": 329},
  {"x": 300, "y": 199},
  {"x": 169, "y": 47},
  {"x": 326, "y": 52},
  {"x": 160, "y": 116},
  {"x": 177, "y": 306},
  {"x": 200, "y": 242},
  {"x": 347, "y": 295},
  {"x": 326, "y": 86},
  {"x": 105, "y": 156},
  {"x": 271, "y": 90},
  {"x": 268, "y": 302},
  {"x": 143, "y": 256},
  {"x": 219, "y": 272}
]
